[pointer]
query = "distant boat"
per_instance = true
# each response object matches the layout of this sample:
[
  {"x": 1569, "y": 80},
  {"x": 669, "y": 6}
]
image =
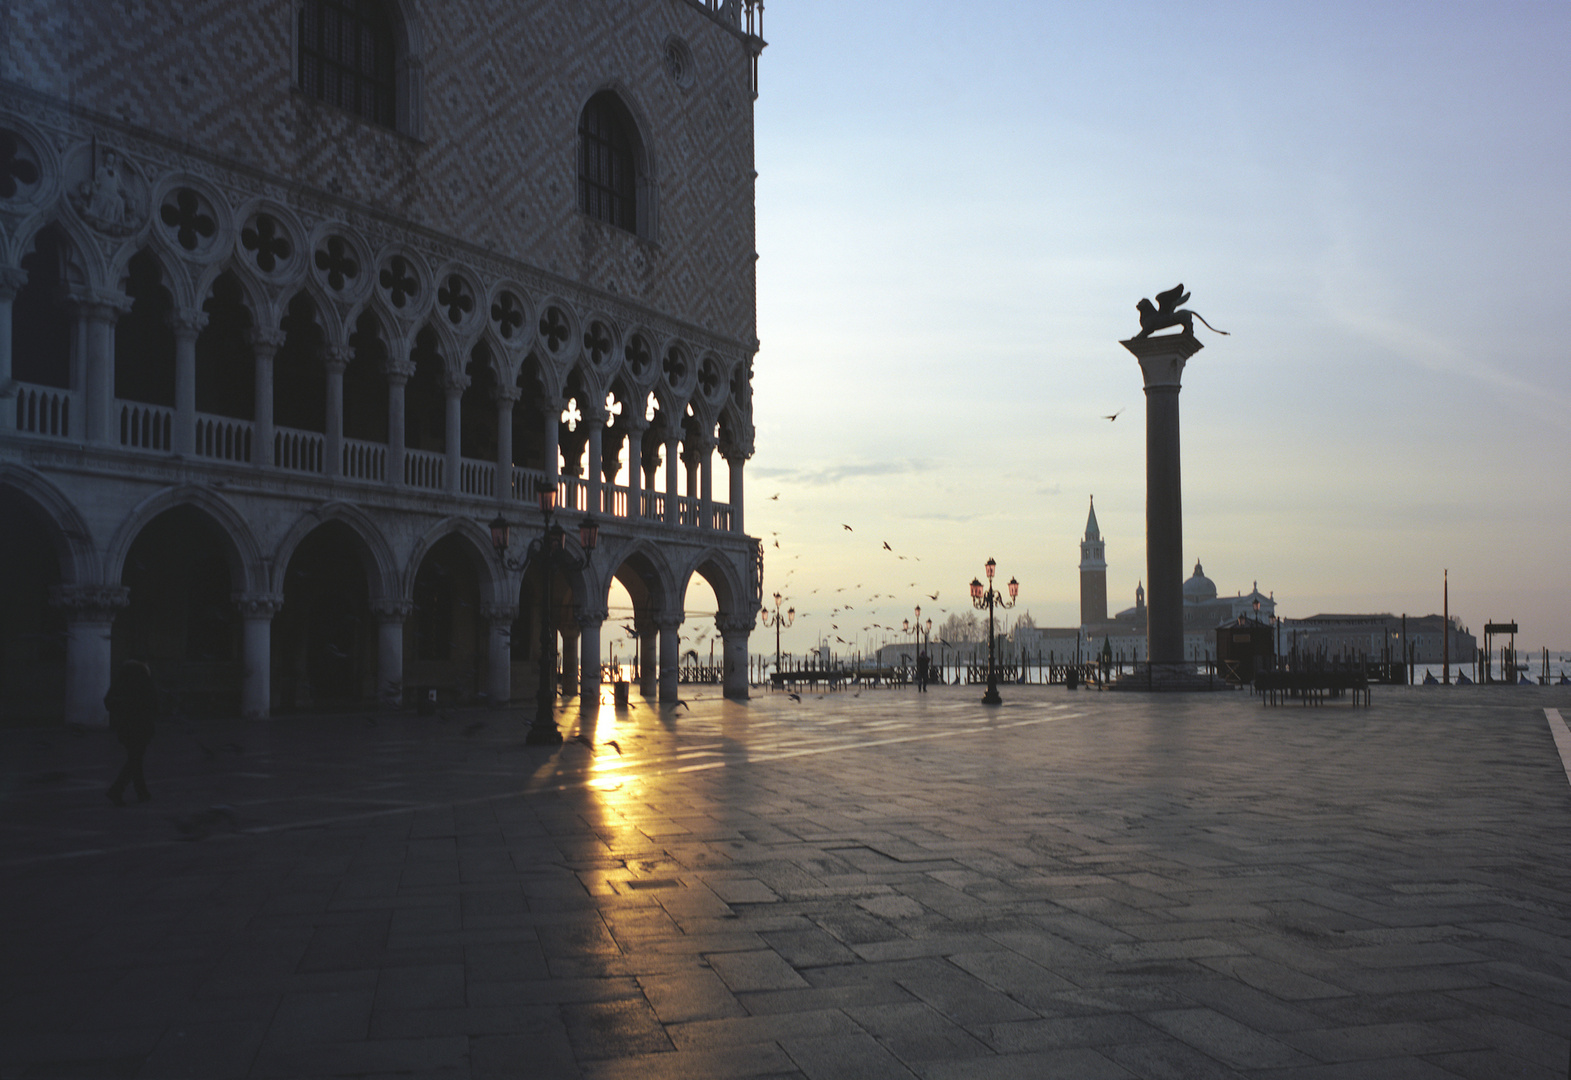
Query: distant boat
[
  {"x": 1430, "y": 680},
  {"x": 1524, "y": 681},
  {"x": 1564, "y": 681},
  {"x": 1463, "y": 680}
]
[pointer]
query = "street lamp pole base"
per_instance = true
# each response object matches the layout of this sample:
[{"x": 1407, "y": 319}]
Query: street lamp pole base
[
  {"x": 991, "y": 697},
  {"x": 543, "y": 736}
]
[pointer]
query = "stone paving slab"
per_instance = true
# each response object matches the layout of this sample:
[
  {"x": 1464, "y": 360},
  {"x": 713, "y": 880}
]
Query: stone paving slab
[{"x": 890, "y": 885}]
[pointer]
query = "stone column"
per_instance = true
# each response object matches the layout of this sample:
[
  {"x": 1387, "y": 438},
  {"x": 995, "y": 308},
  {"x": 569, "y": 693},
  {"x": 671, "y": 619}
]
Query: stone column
[
  {"x": 670, "y": 655},
  {"x": 673, "y": 440},
  {"x": 264, "y": 346},
  {"x": 1162, "y": 364},
  {"x": 396, "y": 378},
  {"x": 89, "y": 612},
  {"x": 648, "y": 658},
  {"x": 569, "y": 655},
  {"x": 390, "y": 616},
  {"x": 454, "y": 386},
  {"x": 499, "y": 619},
  {"x": 11, "y": 280},
  {"x": 98, "y": 311},
  {"x": 590, "y": 621},
  {"x": 734, "y": 631},
  {"x": 735, "y": 461},
  {"x": 187, "y": 324},
  {"x": 336, "y": 360},
  {"x": 635, "y": 465},
  {"x": 594, "y": 417},
  {"x": 256, "y": 685},
  {"x": 704, "y": 461},
  {"x": 506, "y": 398},
  {"x": 553, "y": 441}
]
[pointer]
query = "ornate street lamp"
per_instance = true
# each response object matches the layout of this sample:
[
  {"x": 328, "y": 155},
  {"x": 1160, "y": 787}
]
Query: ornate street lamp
[
  {"x": 550, "y": 547},
  {"x": 989, "y": 598},
  {"x": 917, "y": 632},
  {"x": 778, "y": 621}
]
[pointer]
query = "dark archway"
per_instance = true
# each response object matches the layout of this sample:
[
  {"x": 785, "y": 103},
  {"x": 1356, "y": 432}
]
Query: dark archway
[
  {"x": 32, "y": 633},
  {"x": 477, "y": 433},
  {"x": 182, "y": 620},
  {"x": 144, "y": 337},
  {"x": 425, "y": 398},
  {"x": 299, "y": 378},
  {"x": 529, "y": 417},
  {"x": 365, "y": 383},
  {"x": 444, "y": 638},
  {"x": 41, "y": 318},
  {"x": 525, "y": 637},
  {"x": 324, "y": 637},
  {"x": 225, "y": 362}
]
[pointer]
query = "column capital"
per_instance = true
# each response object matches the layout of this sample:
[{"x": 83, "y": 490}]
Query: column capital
[
  {"x": 336, "y": 357},
  {"x": 507, "y": 394},
  {"x": 593, "y": 412},
  {"x": 731, "y": 625},
  {"x": 664, "y": 620},
  {"x": 397, "y": 374},
  {"x": 12, "y": 278},
  {"x": 89, "y": 603},
  {"x": 266, "y": 340},
  {"x": 587, "y": 615},
  {"x": 102, "y": 304},
  {"x": 493, "y": 612},
  {"x": 454, "y": 382},
  {"x": 187, "y": 323},
  {"x": 258, "y": 605},
  {"x": 1162, "y": 358},
  {"x": 392, "y": 610}
]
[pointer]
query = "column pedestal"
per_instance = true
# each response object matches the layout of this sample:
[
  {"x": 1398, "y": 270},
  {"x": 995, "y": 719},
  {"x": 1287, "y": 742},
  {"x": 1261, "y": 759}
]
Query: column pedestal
[
  {"x": 256, "y": 684},
  {"x": 734, "y": 632},
  {"x": 390, "y": 616},
  {"x": 90, "y": 613},
  {"x": 670, "y": 657}
]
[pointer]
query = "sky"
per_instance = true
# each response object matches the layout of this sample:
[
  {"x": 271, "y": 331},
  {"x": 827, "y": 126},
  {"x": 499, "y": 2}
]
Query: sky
[{"x": 959, "y": 206}]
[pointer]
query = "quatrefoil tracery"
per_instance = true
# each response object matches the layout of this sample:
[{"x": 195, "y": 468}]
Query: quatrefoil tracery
[
  {"x": 508, "y": 315},
  {"x": 398, "y": 278},
  {"x": 184, "y": 214},
  {"x": 267, "y": 241},
  {"x": 457, "y": 298},
  {"x": 336, "y": 259}
]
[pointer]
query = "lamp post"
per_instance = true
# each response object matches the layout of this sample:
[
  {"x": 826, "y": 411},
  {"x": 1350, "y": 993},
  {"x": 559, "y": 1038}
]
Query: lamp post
[
  {"x": 779, "y": 620},
  {"x": 919, "y": 636},
  {"x": 550, "y": 548},
  {"x": 989, "y": 598}
]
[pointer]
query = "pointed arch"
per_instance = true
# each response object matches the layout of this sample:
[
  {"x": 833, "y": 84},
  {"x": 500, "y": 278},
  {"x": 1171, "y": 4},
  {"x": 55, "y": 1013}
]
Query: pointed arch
[
  {"x": 248, "y": 572},
  {"x": 381, "y": 565},
  {"x": 72, "y": 538}
]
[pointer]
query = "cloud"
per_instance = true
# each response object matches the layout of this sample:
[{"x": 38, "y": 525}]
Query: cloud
[{"x": 835, "y": 474}]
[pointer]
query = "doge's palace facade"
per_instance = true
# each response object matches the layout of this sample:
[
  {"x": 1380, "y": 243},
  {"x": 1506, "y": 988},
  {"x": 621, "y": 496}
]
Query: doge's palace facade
[{"x": 297, "y": 295}]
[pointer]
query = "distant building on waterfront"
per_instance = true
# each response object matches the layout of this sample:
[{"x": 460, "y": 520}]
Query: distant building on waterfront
[
  {"x": 1377, "y": 637},
  {"x": 1125, "y": 632}
]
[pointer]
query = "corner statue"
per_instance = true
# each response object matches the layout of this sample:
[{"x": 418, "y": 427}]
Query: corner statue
[{"x": 1167, "y": 313}]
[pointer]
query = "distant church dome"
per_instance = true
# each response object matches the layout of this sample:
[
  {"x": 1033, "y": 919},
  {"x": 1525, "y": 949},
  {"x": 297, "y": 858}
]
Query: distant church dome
[{"x": 1199, "y": 588}]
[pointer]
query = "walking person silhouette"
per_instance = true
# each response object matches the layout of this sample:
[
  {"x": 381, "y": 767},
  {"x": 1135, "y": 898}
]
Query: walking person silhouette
[{"x": 132, "y": 702}]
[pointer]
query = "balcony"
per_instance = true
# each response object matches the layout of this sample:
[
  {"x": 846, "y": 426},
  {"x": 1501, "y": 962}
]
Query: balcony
[{"x": 51, "y": 416}]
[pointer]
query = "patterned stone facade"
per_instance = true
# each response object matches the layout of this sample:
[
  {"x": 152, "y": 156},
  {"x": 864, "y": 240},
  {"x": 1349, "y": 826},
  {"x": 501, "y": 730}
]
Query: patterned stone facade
[
  {"x": 489, "y": 162},
  {"x": 175, "y": 134}
]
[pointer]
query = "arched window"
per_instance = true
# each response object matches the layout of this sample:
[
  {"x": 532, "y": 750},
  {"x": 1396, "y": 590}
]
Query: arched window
[
  {"x": 608, "y": 162},
  {"x": 348, "y": 56}
]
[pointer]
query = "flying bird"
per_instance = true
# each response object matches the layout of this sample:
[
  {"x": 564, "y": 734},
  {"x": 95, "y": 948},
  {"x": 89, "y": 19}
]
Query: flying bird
[
  {"x": 847, "y": 528},
  {"x": 887, "y": 547},
  {"x": 932, "y": 596},
  {"x": 1115, "y": 416},
  {"x": 775, "y": 497}
]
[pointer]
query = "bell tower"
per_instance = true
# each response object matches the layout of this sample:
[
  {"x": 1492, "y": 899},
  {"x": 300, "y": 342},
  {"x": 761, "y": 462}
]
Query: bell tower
[{"x": 1093, "y": 573}]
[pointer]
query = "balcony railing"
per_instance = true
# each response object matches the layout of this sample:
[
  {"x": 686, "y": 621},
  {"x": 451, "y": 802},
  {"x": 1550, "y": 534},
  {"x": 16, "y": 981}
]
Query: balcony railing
[
  {"x": 423, "y": 469},
  {"x": 298, "y": 450},
  {"x": 223, "y": 438},
  {"x": 146, "y": 427},
  {"x": 43, "y": 410},
  {"x": 364, "y": 460},
  {"x": 47, "y": 412}
]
